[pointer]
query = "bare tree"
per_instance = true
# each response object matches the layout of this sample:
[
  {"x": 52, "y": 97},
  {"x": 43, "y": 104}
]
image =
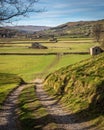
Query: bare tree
[
  {"x": 97, "y": 32},
  {"x": 13, "y": 8}
]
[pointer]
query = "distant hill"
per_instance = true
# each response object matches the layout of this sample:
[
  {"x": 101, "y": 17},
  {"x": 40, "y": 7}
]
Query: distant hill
[
  {"x": 28, "y": 28},
  {"x": 81, "y": 88},
  {"x": 72, "y": 29},
  {"x": 82, "y": 28},
  {"x": 6, "y": 32}
]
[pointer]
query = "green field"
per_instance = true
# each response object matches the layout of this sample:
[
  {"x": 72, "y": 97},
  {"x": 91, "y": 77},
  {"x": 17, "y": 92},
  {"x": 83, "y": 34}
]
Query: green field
[
  {"x": 70, "y": 59},
  {"x": 14, "y": 69},
  {"x": 28, "y": 67},
  {"x": 24, "y": 66},
  {"x": 63, "y": 45}
]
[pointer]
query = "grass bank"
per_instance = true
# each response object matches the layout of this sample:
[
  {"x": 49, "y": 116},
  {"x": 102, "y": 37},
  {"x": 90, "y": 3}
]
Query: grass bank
[
  {"x": 81, "y": 87},
  {"x": 8, "y": 82}
]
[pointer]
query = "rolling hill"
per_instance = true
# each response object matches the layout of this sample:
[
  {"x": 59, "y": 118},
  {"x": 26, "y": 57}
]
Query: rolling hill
[
  {"x": 81, "y": 88},
  {"x": 74, "y": 29},
  {"x": 28, "y": 28}
]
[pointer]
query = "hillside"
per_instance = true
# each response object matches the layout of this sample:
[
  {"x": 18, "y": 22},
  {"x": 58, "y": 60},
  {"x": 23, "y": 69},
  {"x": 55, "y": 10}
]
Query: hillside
[
  {"x": 28, "y": 28},
  {"x": 74, "y": 29},
  {"x": 81, "y": 88}
]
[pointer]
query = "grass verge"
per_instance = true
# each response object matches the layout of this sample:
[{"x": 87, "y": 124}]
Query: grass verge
[{"x": 8, "y": 82}]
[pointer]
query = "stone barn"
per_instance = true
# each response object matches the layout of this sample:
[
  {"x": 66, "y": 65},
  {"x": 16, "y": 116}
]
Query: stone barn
[
  {"x": 37, "y": 45},
  {"x": 95, "y": 50},
  {"x": 53, "y": 39}
]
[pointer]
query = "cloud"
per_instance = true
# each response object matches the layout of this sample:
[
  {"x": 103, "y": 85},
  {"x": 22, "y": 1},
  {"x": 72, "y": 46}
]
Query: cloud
[{"x": 61, "y": 11}]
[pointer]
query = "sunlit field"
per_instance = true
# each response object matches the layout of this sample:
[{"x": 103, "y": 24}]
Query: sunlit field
[
  {"x": 13, "y": 68},
  {"x": 24, "y": 66},
  {"x": 63, "y": 45}
]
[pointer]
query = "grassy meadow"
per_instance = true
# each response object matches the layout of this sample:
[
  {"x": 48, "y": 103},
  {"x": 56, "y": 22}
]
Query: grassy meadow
[
  {"x": 63, "y": 45},
  {"x": 24, "y": 66},
  {"x": 16, "y": 68},
  {"x": 69, "y": 60},
  {"x": 28, "y": 67}
]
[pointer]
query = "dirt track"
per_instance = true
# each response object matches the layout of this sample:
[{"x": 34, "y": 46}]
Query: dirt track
[{"x": 63, "y": 119}]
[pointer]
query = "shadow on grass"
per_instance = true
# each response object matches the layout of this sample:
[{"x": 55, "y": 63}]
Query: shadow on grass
[
  {"x": 8, "y": 78},
  {"x": 42, "y": 122}
]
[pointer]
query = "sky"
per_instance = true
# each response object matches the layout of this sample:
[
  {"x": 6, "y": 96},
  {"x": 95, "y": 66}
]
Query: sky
[{"x": 57, "y": 12}]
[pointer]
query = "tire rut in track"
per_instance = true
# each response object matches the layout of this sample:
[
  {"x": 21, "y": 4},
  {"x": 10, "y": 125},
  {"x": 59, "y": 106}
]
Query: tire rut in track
[{"x": 8, "y": 119}]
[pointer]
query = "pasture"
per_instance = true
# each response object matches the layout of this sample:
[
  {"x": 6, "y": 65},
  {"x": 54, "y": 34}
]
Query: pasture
[
  {"x": 63, "y": 45},
  {"x": 27, "y": 67},
  {"x": 24, "y": 66},
  {"x": 15, "y": 68}
]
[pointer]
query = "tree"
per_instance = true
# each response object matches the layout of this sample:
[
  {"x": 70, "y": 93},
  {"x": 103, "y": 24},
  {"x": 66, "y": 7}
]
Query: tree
[
  {"x": 97, "y": 31},
  {"x": 13, "y": 8}
]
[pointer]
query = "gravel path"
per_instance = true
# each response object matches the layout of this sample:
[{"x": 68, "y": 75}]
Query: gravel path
[
  {"x": 63, "y": 119},
  {"x": 7, "y": 114}
]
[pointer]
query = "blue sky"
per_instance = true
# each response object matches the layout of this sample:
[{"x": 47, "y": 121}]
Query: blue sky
[{"x": 61, "y": 11}]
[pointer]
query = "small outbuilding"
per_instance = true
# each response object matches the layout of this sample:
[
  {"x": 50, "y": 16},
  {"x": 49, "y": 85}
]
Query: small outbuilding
[
  {"x": 53, "y": 39},
  {"x": 95, "y": 50},
  {"x": 37, "y": 45}
]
